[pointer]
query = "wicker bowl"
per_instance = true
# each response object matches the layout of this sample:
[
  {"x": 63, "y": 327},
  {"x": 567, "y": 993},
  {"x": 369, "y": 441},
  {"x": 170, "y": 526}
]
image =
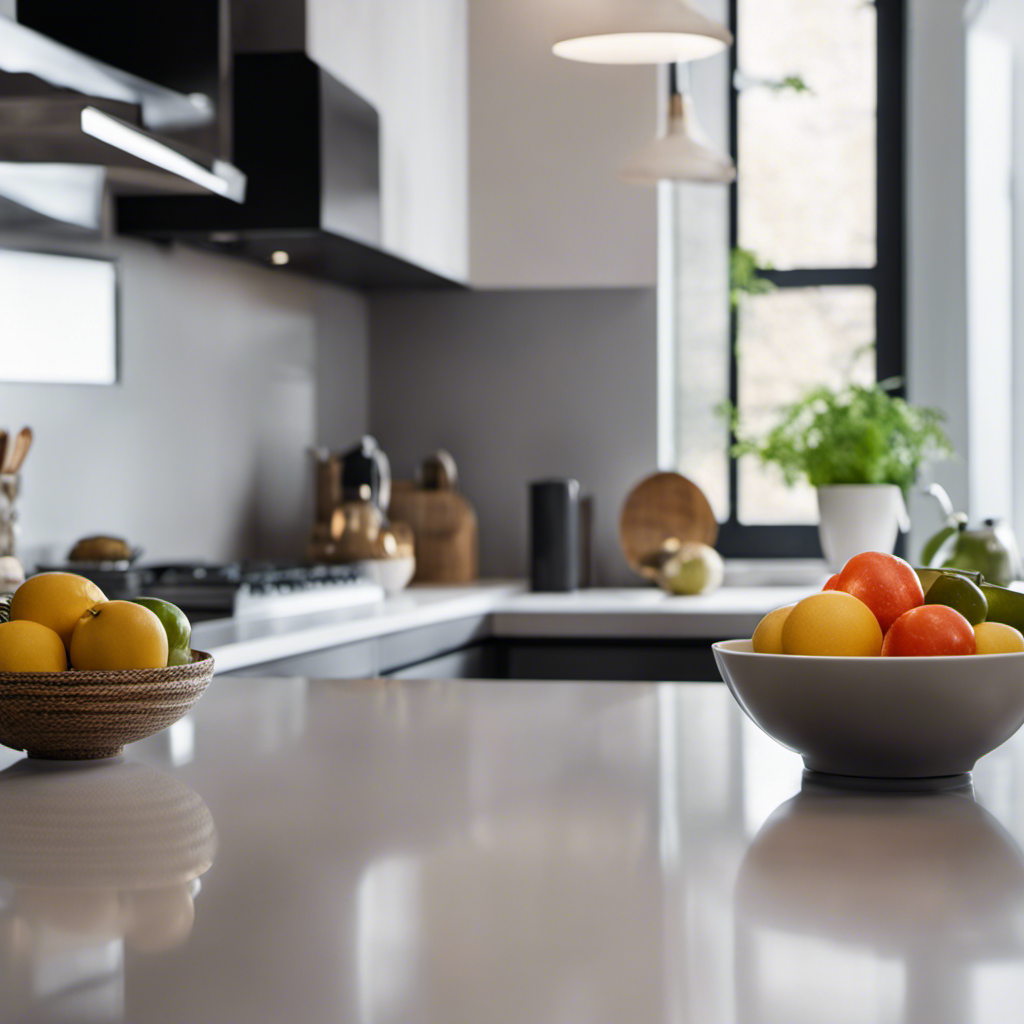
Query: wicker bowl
[{"x": 66, "y": 716}]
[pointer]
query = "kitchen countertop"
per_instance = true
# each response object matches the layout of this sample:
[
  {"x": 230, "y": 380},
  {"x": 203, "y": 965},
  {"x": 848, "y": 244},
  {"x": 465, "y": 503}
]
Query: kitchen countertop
[
  {"x": 509, "y": 611},
  {"x": 434, "y": 851}
]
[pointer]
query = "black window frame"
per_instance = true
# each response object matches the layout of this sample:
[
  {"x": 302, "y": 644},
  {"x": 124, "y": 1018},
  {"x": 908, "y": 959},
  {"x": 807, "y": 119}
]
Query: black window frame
[{"x": 887, "y": 277}]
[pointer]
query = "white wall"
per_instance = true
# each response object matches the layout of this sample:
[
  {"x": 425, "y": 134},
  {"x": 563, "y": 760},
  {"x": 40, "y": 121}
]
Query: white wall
[
  {"x": 200, "y": 450},
  {"x": 519, "y": 387},
  {"x": 936, "y": 235},
  {"x": 547, "y": 139},
  {"x": 1006, "y": 18}
]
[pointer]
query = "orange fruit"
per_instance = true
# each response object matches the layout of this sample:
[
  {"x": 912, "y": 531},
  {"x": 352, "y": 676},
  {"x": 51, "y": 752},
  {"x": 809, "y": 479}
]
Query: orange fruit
[
  {"x": 832, "y": 624},
  {"x": 767, "y": 638},
  {"x": 29, "y": 647},
  {"x": 118, "y": 635},
  {"x": 57, "y": 600}
]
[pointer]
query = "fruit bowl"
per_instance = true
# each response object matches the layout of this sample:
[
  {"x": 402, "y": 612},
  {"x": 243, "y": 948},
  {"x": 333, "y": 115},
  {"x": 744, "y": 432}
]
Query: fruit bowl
[
  {"x": 879, "y": 717},
  {"x": 76, "y": 715}
]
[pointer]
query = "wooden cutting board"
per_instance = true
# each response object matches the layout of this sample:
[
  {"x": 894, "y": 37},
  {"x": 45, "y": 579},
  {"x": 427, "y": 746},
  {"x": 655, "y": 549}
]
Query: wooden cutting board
[
  {"x": 663, "y": 507},
  {"x": 445, "y": 530}
]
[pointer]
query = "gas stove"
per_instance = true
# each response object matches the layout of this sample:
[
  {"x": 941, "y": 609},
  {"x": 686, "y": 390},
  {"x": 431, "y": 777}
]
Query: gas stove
[
  {"x": 248, "y": 589},
  {"x": 259, "y": 588}
]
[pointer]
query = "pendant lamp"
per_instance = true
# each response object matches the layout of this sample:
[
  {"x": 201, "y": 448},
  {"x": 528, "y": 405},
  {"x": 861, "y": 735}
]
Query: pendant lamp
[
  {"x": 684, "y": 153},
  {"x": 639, "y": 32}
]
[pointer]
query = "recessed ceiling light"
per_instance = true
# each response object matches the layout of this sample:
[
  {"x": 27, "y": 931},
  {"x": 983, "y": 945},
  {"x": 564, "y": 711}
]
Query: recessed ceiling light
[{"x": 279, "y": 258}]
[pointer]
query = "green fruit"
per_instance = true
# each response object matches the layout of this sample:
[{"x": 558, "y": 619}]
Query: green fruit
[
  {"x": 960, "y": 594},
  {"x": 929, "y": 576},
  {"x": 1004, "y": 605},
  {"x": 176, "y": 626}
]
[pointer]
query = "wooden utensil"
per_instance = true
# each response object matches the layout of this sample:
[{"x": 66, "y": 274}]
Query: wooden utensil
[
  {"x": 3, "y": 451},
  {"x": 22, "y": 443},
  {"x": 663, "y": 507}
]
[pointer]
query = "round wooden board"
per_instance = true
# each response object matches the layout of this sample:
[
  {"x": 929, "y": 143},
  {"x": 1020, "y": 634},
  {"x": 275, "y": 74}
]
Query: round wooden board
[{"x": 661, "y": 507}]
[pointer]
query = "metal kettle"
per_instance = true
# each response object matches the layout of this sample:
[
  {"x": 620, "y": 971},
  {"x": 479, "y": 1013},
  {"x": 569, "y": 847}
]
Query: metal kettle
[
  {"x": 366, "y": 474},
  {"x": 990, "y": 549}
]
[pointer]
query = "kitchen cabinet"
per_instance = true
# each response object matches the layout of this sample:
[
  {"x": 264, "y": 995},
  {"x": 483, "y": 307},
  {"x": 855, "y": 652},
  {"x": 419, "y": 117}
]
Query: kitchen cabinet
[
  {"x": 465, "y": 652},
  {"x": 499, "y": 161}
]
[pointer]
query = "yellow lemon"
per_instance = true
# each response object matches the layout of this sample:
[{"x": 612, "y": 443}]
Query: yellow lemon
[
  {"x": 767, "y": 638},
  {"x": 118, "y": 635},
  {"x": 997, "y": 638},
  {"x": 57, "y": 600},
  {"x": 832, "y": 624},
  {"x": 30, "y": 647}
]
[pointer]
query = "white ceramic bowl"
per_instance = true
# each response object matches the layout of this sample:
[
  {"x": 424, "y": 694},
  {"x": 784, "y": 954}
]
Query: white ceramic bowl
[
  {"x": 879, "y": 717},
  {"x": 390, "y": 574}
]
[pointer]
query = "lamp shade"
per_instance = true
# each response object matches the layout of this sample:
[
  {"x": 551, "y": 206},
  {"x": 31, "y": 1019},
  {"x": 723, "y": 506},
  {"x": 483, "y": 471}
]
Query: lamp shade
[
  {"x": 638, "y": 32},
  {"x": 682, "y": 154}
]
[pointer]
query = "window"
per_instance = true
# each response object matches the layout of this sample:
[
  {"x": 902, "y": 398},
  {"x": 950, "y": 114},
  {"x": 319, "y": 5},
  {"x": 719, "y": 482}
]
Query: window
[
  {"x": 59, "y": 319},
  {"x": 816, "y": 128}
]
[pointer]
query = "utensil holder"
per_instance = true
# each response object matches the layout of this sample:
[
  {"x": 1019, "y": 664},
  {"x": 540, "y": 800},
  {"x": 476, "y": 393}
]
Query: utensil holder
[{"x": 10, "y": 484}]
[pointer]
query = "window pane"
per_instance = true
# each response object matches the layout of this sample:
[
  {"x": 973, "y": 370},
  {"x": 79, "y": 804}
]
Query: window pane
[
  {"x": 791, "y": 340},
  {"x": 59, "y": 319},
  {"x": 700, "y": 332},
  {"x": 807, "y": 160}
]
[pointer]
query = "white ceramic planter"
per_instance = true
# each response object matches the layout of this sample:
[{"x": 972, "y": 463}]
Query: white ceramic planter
[{"x": 859, "y": 517}]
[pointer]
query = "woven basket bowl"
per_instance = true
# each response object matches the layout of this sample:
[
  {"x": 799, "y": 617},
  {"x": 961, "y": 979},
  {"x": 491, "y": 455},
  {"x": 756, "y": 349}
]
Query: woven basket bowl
[{"x": 66, "y": 716}]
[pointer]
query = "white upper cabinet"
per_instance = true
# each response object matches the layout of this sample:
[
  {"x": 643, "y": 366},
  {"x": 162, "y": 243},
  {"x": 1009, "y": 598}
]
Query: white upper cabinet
[
  {"x": 499, "y": 162},
  {"x": 408, "y": 58}
]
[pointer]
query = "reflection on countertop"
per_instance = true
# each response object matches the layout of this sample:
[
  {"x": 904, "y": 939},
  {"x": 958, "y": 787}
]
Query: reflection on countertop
[
  {"x": 903, "y": 896},
  {"x": 501, "y": 852},
  {"x": 95, "y": 859}
]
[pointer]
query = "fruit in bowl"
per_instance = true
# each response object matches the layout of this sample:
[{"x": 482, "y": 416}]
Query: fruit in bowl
[
  {"x": 918, "y": 613},
  {"x": 888, "y": 672},
  {"x": 132, "y": 672},
  {"x": 93, "y": 634}
]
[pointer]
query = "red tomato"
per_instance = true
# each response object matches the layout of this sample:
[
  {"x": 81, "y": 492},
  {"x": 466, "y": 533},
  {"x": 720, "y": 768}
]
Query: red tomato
[
  {"x": 885, "y": 583},
  {"x": 832, "y": 584},
  {"x": 932, "y": 629}
]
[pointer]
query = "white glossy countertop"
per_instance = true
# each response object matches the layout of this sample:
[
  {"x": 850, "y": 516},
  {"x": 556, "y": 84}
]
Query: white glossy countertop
[
  {"x": 510, "y": 611},
  {"x": 492, "y": 852}
]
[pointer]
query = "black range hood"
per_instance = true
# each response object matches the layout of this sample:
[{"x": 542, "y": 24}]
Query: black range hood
[{"x": 309, "y": 147}]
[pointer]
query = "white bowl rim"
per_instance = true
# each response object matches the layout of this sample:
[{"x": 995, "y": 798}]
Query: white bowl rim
[{"x": 725, "y": 646}]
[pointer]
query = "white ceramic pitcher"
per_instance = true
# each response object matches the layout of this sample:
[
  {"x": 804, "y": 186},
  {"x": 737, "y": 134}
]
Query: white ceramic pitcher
[{"x": 859, "y": 517}]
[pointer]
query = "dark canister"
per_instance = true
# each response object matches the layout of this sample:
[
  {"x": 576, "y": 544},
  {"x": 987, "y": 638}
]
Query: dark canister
[{"x": 554, "y": 535}]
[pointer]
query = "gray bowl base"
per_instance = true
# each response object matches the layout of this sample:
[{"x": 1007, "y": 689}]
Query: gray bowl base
[{"x": 926, "y": 784}]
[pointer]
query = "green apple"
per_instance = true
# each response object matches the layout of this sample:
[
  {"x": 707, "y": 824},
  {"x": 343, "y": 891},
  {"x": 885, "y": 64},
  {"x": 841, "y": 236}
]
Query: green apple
[{"x": 176, "y": 626}]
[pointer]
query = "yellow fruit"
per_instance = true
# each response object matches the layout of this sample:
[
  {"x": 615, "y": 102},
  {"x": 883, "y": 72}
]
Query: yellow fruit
[
  {"x": 997, "y": 638},
  {"x": 118, "y": 635},
  {"x": 767, "y": 638},
  {"x": 57, "y": 600},
  {"x": 28, "y": 647},
  {"x": 832, "y": 624}
]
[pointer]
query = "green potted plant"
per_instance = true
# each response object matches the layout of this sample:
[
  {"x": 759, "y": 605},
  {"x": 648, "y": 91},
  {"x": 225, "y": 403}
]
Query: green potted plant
[{"x": 862, "y": 448}]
